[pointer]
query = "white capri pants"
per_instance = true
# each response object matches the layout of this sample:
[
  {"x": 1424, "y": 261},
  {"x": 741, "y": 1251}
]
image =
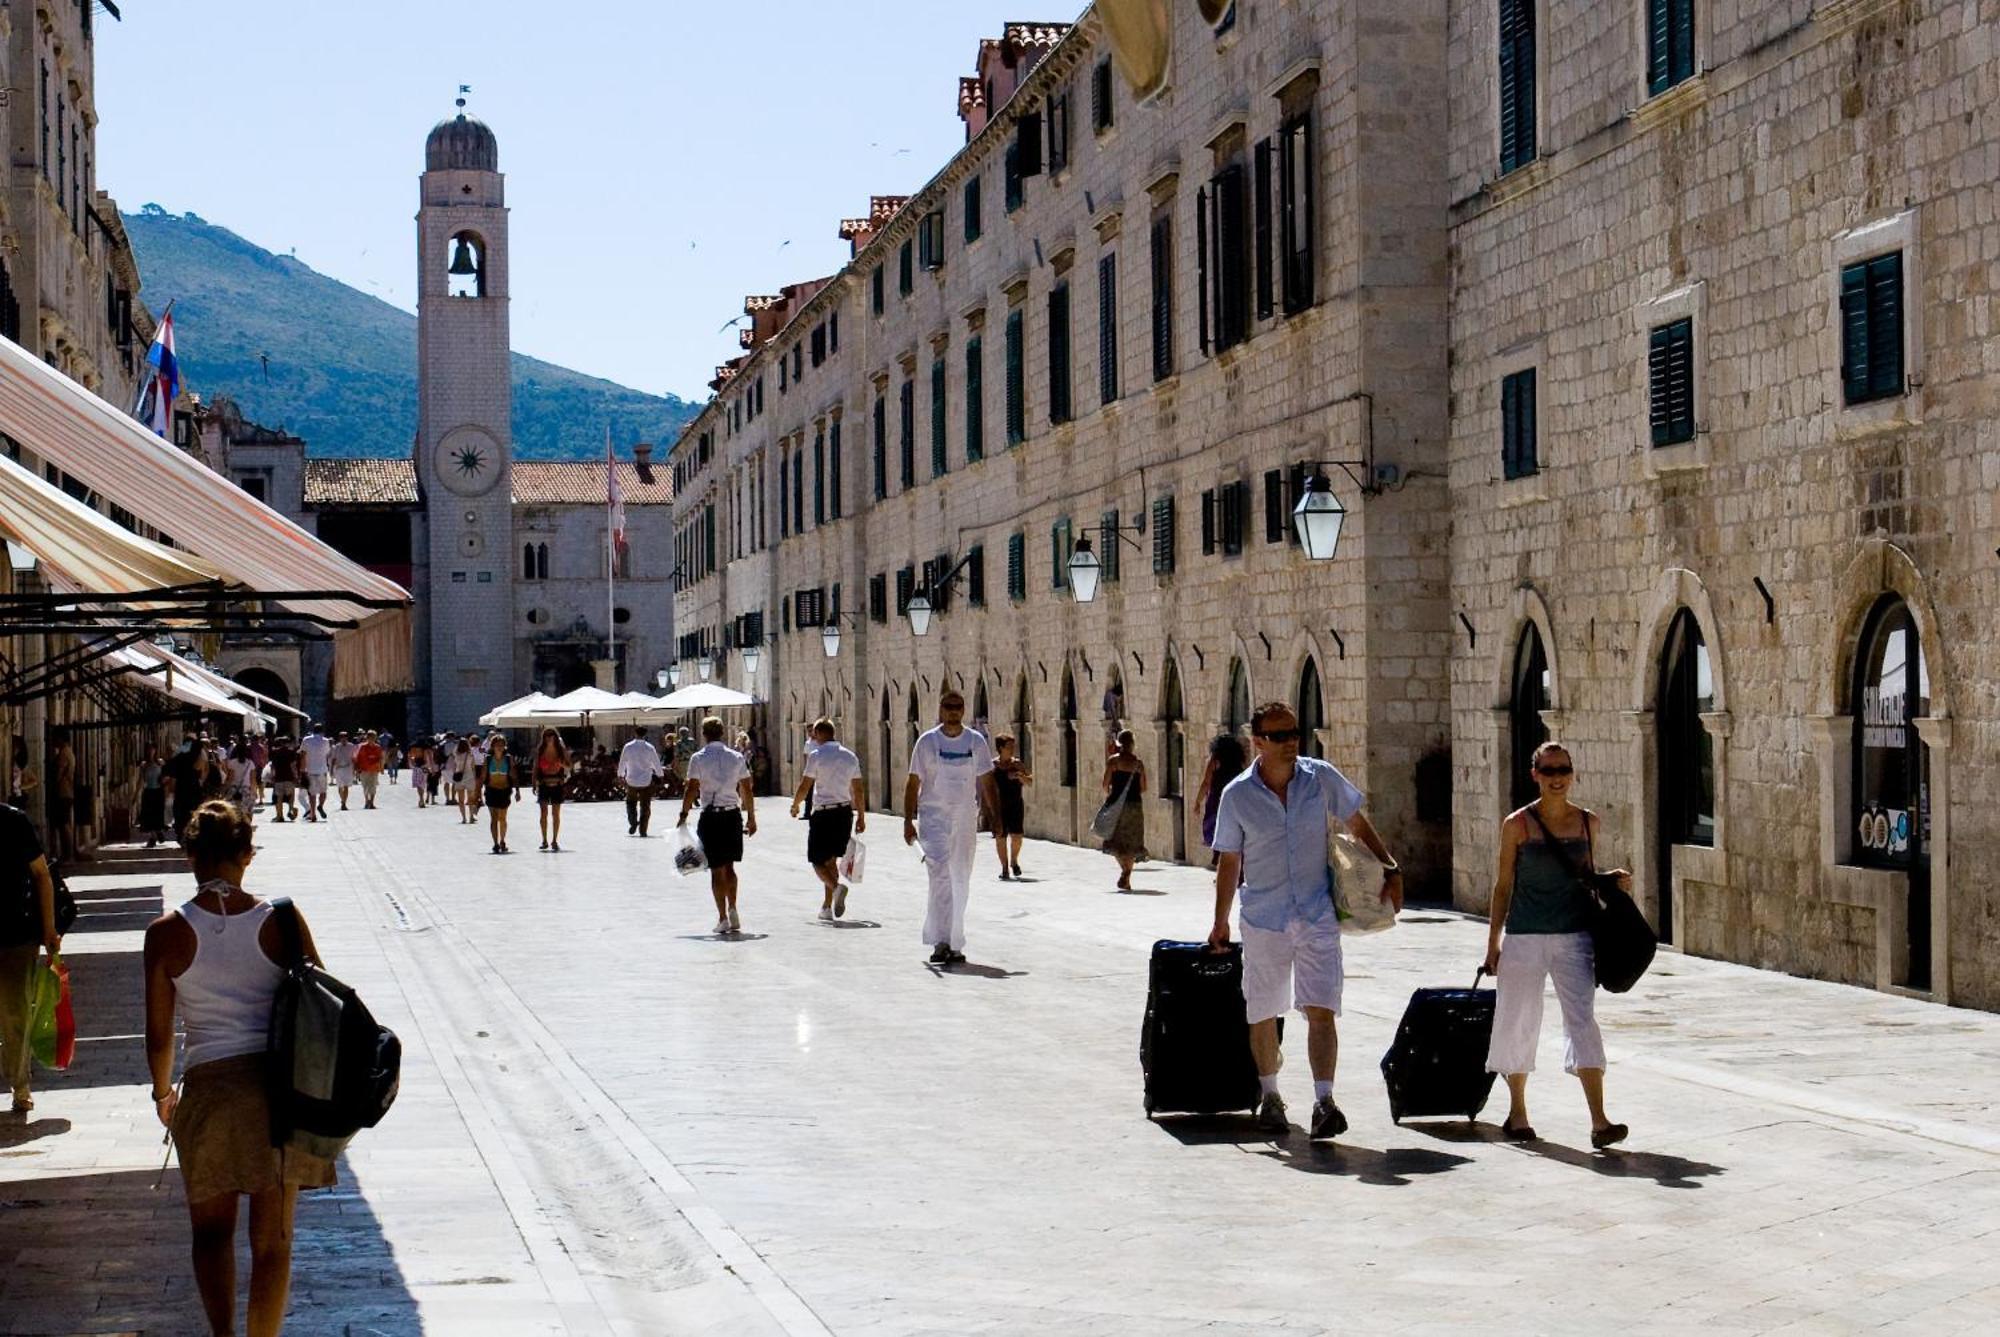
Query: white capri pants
[{"x": 1526, "y": 960}]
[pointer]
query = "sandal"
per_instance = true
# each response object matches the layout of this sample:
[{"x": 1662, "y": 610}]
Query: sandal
[
  {"x": 1611, "y": 1133},
  {"x": 1524, "y": 1133}
]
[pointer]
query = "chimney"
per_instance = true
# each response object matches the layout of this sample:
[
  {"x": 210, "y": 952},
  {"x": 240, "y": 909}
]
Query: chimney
[{"x": 642, "y": 460}]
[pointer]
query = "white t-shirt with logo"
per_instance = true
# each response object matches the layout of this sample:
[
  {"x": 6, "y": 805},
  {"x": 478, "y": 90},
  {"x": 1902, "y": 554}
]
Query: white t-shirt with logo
[
  {"x": 833, "y": 770},
  {"x": 948, "y": 769}
]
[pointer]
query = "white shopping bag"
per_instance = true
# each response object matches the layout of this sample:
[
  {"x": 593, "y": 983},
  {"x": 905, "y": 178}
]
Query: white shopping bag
[
  {"x": 689, "y": 857},
  {"x": 854, "y": 861},
  {"x": 1356, "y": 877}
]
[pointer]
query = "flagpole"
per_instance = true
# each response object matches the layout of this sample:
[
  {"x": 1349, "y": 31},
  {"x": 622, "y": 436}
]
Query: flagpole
[{"x": 610, "y": 560}]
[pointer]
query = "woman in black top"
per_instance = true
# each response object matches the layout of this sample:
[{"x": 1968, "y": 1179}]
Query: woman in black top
[
  {"x": 1226, "y": 761},
  {"x": 1009, "y": 774}
]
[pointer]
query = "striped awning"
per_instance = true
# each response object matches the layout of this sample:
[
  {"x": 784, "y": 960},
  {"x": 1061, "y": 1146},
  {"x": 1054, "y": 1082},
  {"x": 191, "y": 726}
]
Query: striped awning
[
  {"x": 249, "y": 543},
  {"x": 82, "y": 547}
]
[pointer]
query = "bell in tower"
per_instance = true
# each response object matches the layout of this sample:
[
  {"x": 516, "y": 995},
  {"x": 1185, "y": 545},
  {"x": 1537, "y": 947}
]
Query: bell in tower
[{"x": 466, "y": 277}]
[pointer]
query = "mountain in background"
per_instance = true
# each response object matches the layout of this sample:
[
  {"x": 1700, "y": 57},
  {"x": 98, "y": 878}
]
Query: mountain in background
[{"x": 338, "y": 368}]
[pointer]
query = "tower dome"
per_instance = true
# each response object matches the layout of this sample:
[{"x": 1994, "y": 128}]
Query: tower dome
[{"x": 461, "y": 143}]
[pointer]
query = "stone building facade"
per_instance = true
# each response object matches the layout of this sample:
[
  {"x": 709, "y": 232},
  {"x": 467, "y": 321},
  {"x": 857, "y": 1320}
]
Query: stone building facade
[{"x": 1605, "y": 347}]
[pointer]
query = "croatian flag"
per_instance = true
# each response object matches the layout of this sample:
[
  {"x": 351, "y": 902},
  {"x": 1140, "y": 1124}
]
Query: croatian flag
[
  {"x": 614, "y": 495},
  {"x": 160, "y": 386}
]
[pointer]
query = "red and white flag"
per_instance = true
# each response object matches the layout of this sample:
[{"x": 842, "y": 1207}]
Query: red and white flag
[{"x": 614, "y": 494}]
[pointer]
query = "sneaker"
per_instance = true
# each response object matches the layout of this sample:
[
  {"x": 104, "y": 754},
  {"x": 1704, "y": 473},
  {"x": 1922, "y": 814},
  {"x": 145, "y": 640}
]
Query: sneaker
[
  {"x": 826, "y": 913},
  {"x": 1271, "y": 1114},
  {"x": 1004, "y": 877},
  {"x": 555, "y": 847},
  {"x": 840, "y": 901},
  {"x": 545, "y": 844},
  {"x": 1327, "y": 1121},
  {"x": 735, "y": 924},
  {"x": 1017, "y": 870},
  {"x": 722, "y": 925},
  {"x": 941, "y": 954},
  {"x": 957, "y": 957}
]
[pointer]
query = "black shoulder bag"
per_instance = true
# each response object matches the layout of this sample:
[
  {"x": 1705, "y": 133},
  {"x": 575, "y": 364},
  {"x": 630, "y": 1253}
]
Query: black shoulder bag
[{"x": 1622, "y": 942}]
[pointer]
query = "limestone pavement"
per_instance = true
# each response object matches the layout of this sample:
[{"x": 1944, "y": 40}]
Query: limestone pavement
[{"x": 614, "y": 1121}]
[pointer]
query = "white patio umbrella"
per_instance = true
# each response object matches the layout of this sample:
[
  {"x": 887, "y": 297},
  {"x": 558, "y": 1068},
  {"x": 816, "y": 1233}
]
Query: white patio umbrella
[
  {"x": 594, "y": 705},
  {"x": 704, "y": 696},
  {"x": 519, "y": 713}
]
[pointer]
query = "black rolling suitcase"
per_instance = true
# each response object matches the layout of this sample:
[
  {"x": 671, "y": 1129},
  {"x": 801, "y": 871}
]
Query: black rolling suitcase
[
  {"x": 1437, "y": 1065},
  {"x": 1195, "y": 1044}
]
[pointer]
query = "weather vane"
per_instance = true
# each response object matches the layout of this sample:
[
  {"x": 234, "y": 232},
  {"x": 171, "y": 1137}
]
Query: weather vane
[{"x": 463, "y": 89}]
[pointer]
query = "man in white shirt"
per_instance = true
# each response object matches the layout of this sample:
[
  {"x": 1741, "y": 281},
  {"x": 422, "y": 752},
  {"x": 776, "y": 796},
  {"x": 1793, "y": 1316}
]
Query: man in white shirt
[
  {"x": 719, "y": 779},
  {"x": 832, "y": 779},
  {"x": 341, "y": 758},
  {"x": 638, "y": 767},
  {"x": 951, "y": 776},
  {"x": 315, "y": 749}
]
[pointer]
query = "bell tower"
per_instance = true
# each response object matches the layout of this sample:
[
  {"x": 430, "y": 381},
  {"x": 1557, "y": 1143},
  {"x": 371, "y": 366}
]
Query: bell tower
[{"x": 465, "y": 435}]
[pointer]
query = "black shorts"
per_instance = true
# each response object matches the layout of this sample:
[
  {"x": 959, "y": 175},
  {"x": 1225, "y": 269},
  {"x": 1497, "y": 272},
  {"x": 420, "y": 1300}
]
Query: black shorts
[
  {"x": 827, "y": 834},
  {"x": 549, "y": 796},
  {"x": 720, "y": 831},
  {"x": 498, "y": 799}
]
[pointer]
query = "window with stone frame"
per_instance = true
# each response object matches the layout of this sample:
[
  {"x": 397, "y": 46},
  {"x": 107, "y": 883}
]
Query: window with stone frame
[
  {"x": 975, "y": 399},
  {"x": 940, "y": 453},
  {"x": 1517, "y": 84},
  {"x": 1163, "y": 536},
  {"x": 1162, "y": 246},
  {"x": 907, "y": 441},
  {"x": 876, "y": 284},
  {"x": 969, "y": 209},
  {"x": 930, "y": 240},
  {"x": 1669, "y": 43},
  {"x": 881, "y": 447},
  {"x": 1102, "y": 110},
  {"x": 975, "y": 576},
  {"x": 906, "y": 267},
  {"x": 878, "y": 598},
  {"x": 1298, "y": 201},
  {"x": 1017, "y": 566},
  {"x": 834, "y": 505},
  {"x": 1017, "y": 381},
  {"x": 1107, "y": 328},
  {"x": 1059, "y": 354},
  {"x": 1871, "y": 329},
  {"x": 1062, "y": 545},
  {"x": 1223, "y": 247},
  {"x": 1518, "y": 445},
  {"x": 1058, "y": 124},
  {"x": 1670, "y": 374}
]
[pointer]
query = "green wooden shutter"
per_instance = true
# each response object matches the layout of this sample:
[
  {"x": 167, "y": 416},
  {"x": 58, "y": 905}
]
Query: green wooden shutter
[
  {"x": 1208, "y": 523},
  {"x": 1017, "y": 383},
  {"x": 970, "y": 201},
  {"x": 1201, "y": 266},
  {"x": 1059, "y": 399},
  {"x": 1017, "y": 566},
  {"x": 833, "y": 453},
  {"x": 975, "y": 400},
  {"x": 1163, "y": 535},
  {"x": 1107, "y": 328},
  {"x": 1262, "y": 230},
  {"x": 907, "y": 442},
  {"x": 1517, "y": 425},
  {"x": 1163, "y": 297},
  {"x": 975, "y": 576},
  {"x": 1670, "y": 383},
  {"x": 1885, "y": 325},
  {"x": 1657, "y": 80},
  {"x": 1059, "y": 552},
  {"x": 881, "y": 447},
  {"x": 1274, "y": 506},
  {"x": 938, "y": 452},
  {"x": 1517, "y": 83},
  {"x": 819, "y": 479}
]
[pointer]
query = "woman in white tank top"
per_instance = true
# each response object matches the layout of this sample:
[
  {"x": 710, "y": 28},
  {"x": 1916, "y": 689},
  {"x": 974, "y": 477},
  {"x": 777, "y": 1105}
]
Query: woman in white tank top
[{"x": 214, "y": 963}]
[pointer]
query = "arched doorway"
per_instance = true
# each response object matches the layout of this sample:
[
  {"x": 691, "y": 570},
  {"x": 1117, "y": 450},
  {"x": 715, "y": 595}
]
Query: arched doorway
[
  {"x": 1173, "y": 758},
  {"x": 1311, "y": 711},
  {"x": 979, "y": 719},
  {"x": 1686, "y": 755},
  {"x": 1068, "y": 715},
  {"x": 1892, "y": 780},
  {"x": 1526, "y": 701},
  {"x": 916, "y": 727},
  {"x": 1237, "y": 712},
  {"x": 1024, "y": 718},
  {"x": 266, "y": 683},
  {"x": 888, "y": 757}
]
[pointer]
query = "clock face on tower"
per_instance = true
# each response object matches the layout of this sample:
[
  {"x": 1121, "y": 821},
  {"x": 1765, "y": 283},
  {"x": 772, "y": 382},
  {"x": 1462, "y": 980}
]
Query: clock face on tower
[{"x": 467, "y": 461}]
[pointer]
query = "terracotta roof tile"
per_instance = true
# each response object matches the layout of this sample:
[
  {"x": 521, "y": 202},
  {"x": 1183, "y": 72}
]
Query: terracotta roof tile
[
  {"x": 360, "y": 483},
  {"x": 581, "y": 482}
]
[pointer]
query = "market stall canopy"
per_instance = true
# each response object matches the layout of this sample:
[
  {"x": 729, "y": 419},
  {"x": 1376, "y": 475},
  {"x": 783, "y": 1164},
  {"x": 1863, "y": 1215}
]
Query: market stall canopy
[
  {"x": 248, "y": 542},
  {"x": 517, "y": 714},
  {"x": 704, "y": 696}
]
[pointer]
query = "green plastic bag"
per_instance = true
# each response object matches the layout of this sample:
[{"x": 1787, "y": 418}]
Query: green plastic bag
[{"x": 44, "y": 1018}]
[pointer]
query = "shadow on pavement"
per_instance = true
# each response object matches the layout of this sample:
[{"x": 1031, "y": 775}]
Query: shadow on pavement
[
  {"x": 1665, "y": 1170},
  {"x": 1138, "y": 891},
  {"x": 1393, "y": 1167},
  {"x": 848, "y": 923},
  {"x": 16, "y": 1131},
  {"x": 108, "y": 1253},
  {"x": 977, "y": 971},
  {"x": 723, "y": 937}
]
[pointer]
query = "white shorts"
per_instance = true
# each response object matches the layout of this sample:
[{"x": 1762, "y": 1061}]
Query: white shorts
[
  {"x": 316, "y": 783},
  {"x": 1301, "y": 959}
]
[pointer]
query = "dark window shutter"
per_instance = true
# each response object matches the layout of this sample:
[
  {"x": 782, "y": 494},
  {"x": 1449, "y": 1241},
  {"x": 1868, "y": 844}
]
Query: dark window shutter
[
  {"x": 1017, "y": 566},
  {"x": 1058, "y": 122},
  {"x": 1059, "y": 551},
  {"x": 1100, "y": 97},
  {"x": 1017, "y": 383},
  {"x": 1274, "y": 506},
  {"x": 1517, "y": 425},
  {"x": 819, "y": 480},
  {"x": 1517, "y": 83},
  {"x": 1680, "y": 35},
  {"x": 970, "y": 201},
  {"x": 1201, "y": 266},
  {"x": 1028, "y": 145},
  {"x": 1059, "y": 358},
  {"x": 1235, "y": 502},
  {"x": 1208, "y": 523},
  {"x": 1011, "y": 169},
  {"x": 878, "y": 598},
  {"x": 975, "y": 400},
  {"x": 938, "y": 461},
  {"x": 875, "y": 284},
  {"x": 975, "y": 576},
  {"x": 1669, "y": 43},
  {"x": 1109, "y": 543},
  {"x": 906, "y": 269},
  {"x": 784, "y": 500},
  {"x": 906, "y": 585},
  {"x": 1854, "y": 332},
  {"x": 1107, "y": 328},
  {"x": 1885, "y": 325},
  {"x": 833, "y": 469},
  {"x": 1163, "y": 536},
  {"x": 907, "y": 439},
  {"x": 1670, "y": 383},
  {"x": 881, "y": 448},
  {"x": 1163, "y": 298},
  {"x": 1266, "y": 287},
  {"x": 1295, "y": 488},
  {"x": 799, "y": 491},
  {"x": 1232, "y": 253}
]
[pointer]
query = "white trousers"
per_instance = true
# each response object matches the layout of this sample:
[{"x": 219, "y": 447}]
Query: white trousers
[
  {"x": 948, "y": 841},
  {"x": 1526, "y": 960}
]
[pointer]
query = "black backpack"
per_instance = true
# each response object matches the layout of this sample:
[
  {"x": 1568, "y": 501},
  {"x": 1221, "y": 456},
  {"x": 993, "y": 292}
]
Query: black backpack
[{"x": 333, "y": 1069}]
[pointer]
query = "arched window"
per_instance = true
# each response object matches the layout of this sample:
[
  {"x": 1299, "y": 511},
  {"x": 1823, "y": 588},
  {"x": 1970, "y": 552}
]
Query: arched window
[
  {"x": 541, "y": 561},
  {"x": 916, "y": 728},
  {"x": 1023, "y": 718},
  {"x": 1892, "y": 774},
  {"x": 888, "y": 754},
  {"x": 1068, "y": 776},
  {"x": 979, "y": 708},
  {"x": 1311, "y": 711},
  {"x": 1238, "y": 716},
  {"x": 1687, "y": 752},
  {"x": 1525, "y": 704},
  {"x": 1173, "y": 710},
  {"x": 527, "y": 561}
]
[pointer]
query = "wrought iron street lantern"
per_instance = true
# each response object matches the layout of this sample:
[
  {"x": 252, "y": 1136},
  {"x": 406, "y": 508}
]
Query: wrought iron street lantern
[
  {"x": 1318, "y": 518},
  {"x": 1084, "y": 570},
  {"x": 920, "y": 613}
]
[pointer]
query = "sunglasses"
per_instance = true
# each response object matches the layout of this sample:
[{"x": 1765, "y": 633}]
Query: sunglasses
[
  {"x": 1555, "y": 770},
  {"x": 1281, "y": 735}
]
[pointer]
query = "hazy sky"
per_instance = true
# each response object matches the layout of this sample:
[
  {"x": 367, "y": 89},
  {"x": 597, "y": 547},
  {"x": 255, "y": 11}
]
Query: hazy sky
[{"x": 662, "y": 159}]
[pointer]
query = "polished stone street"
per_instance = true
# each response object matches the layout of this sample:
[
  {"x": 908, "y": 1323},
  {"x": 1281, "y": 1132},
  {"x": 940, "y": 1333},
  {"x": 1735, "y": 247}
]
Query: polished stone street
[{"x": 613, "y": 1121}]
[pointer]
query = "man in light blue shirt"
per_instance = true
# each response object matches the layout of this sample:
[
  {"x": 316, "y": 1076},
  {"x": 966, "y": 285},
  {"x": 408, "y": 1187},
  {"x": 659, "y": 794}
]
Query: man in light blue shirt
[{"x": 1270, "y": 834}]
